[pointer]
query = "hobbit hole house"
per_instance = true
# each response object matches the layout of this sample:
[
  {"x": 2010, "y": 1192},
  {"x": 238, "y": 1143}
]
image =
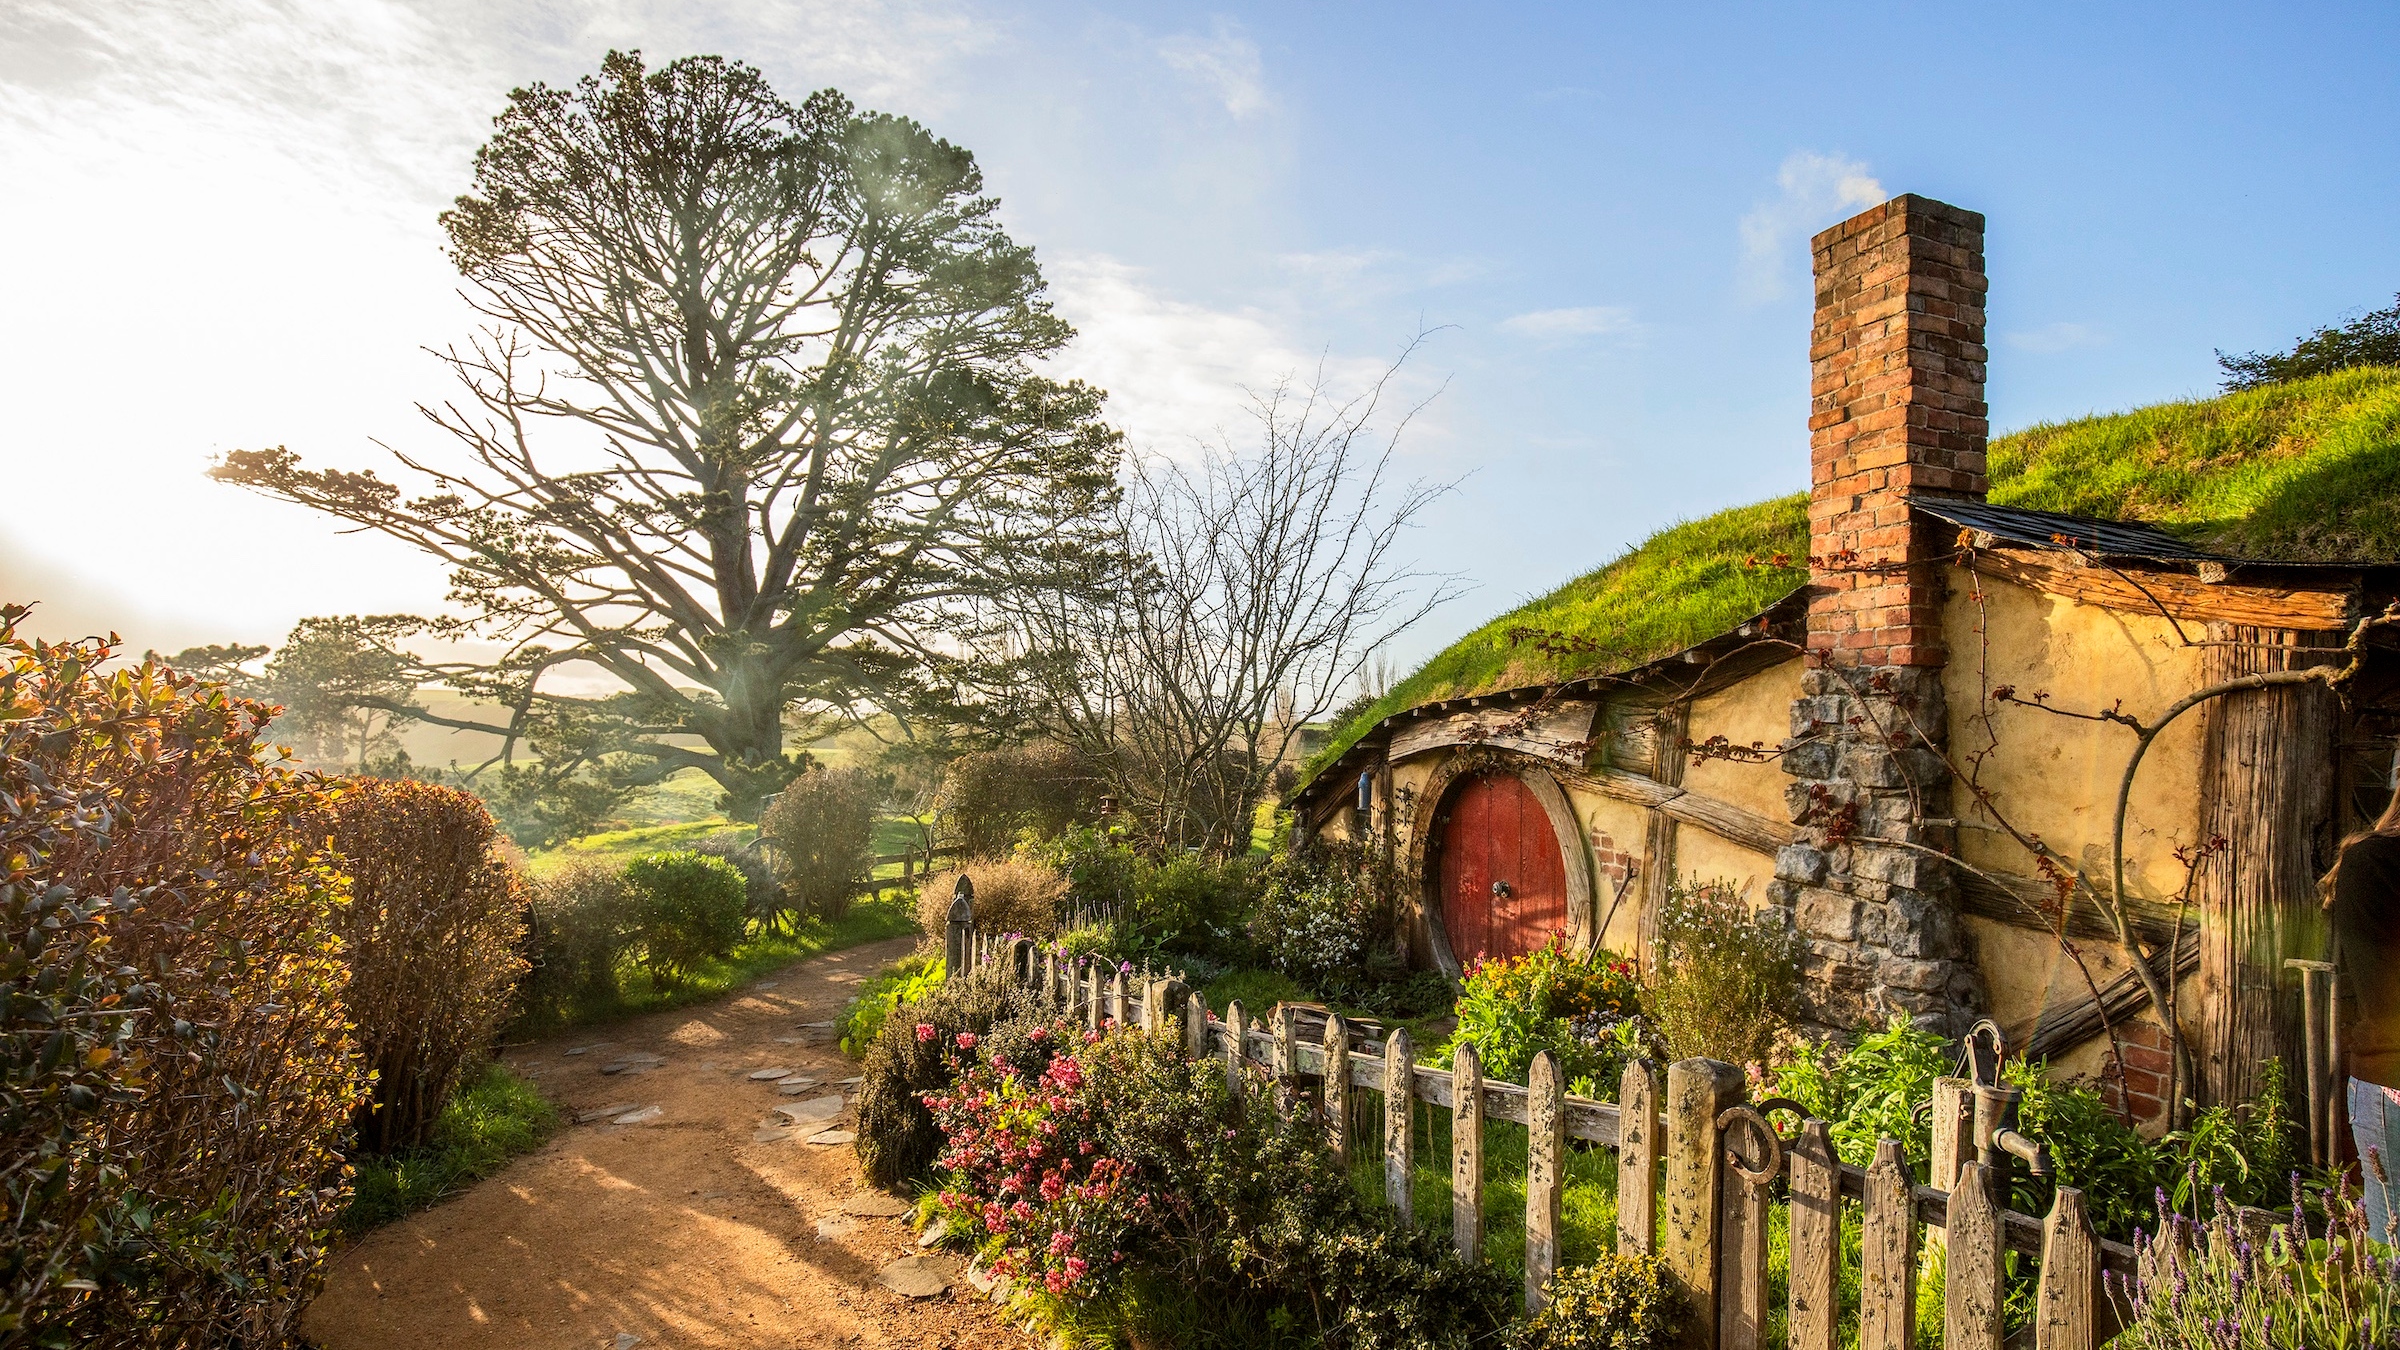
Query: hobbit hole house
[{"x": 1815, "y": 701}]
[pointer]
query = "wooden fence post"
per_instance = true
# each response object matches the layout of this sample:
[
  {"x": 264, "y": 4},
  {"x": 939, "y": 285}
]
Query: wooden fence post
[
  {"x": 1020, "y": 961},
  {"x": 1094, "y": 996},
  {"x": 1953, "y": 1132},
  {"x": 1545, "y": 1155},
  {"x": 1816, "y": 1232},
  {"x": 1237, "y": 1030},
  {"x": 1400, "y": 1125},
  {"x": 1698, "y": 1090},
  {"x": 1742, "y": 1228},
  {"x": 2068, "y": 1315},
  {"x": 957, "y": 951},
  {"x": 1637, "y": 1161},
  {"x": 1287, "y": 1061},
  {"x": 1195, "y": 1026},
  {"x": 1971, "y": 1304},
  {"x": 1116, "y": 998},
  {"x": 1466, "y": 1153},
  {"x": 1049, "y": 980},
  {"x": 1337, "y": 1089},
  {"x": 1887, "y": 1265}
]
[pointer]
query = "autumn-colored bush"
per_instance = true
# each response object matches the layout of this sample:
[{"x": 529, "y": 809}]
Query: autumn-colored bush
[
  {"x": 1014, "y": 895},
  {"x": 176, "y": 1069},
  {"x": 581, "y": 923},
  {"x": 988, "y": 798},
  {"x": 687, "y": 909},
  {"x": 822, "y": 828},
  {"x": 431, "y": 936}
]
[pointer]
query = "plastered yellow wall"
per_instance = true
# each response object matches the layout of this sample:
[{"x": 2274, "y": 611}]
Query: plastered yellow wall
[
  {"x": 1757, "y": 711},
  {"x": 2052, "y": 776},
  {"x": 1609, "y": 823},
  {"x": 1702, "y": 856}
]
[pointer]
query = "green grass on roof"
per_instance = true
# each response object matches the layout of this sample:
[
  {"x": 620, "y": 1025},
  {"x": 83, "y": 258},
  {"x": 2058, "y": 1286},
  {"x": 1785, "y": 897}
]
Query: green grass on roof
[{"x": 2308, "y": 470}]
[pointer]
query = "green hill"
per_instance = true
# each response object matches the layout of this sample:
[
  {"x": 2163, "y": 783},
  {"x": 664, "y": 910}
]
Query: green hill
[{"x": 2307, "y": 470}]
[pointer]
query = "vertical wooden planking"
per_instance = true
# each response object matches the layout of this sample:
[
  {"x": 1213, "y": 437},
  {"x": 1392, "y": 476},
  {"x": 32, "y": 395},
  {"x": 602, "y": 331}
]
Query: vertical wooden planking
[
  {"x": 1116, "y": 998},
  {"x": 1545, "y": 1157},
  {"x": 1237, "y": 1028},
  {"x": 1742, "y": 1268},
  {"x": 1337, "y": 1088},
  {"x": 1399, "y": 1125},
  {"x": 1637, "y": 1161},
  {"x": 2068, "y": 1315},
  {"x": 1466, "y": 1153},
  {"x": 1095, "y": 997},
  {"x": 1887, "y": 1265},
  {"x": 1697, "y": 1091},
  {"x": 1195, "y": 1026},
  {"x": 1816, "y": 1233},
  {"x": 1971, "y": 1304},
  {"x": 1287, "y": 1060},
  {"x": 1953, "y": 1129}
]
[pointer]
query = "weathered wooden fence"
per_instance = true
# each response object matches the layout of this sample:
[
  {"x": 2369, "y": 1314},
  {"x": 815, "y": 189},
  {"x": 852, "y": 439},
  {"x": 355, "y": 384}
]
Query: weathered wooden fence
[{"x": 1699, "y": 1169}]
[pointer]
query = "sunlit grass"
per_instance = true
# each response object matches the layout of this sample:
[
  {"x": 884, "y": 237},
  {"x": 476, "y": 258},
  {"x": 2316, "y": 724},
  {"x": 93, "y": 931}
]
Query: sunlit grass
[{"x": 495, "y": 1117}]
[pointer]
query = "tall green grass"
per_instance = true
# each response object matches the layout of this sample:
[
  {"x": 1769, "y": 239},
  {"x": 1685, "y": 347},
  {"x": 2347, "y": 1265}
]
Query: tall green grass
[{"x": 494, "y": 1117}]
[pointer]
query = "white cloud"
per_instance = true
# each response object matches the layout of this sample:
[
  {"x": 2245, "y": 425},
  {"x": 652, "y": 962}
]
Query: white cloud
[
  {"x": 1555, "y": 325},
  {"x": 1359, "y": 276},
  {"x": 2051, "y": 339},
  {"x": 1226, "y": 63},
  {"x": 1812, "y": 192}
]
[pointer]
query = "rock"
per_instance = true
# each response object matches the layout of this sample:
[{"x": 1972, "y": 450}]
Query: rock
[
  {"x": 832, "y": 1230},
  {"x": 583, "y": 1049},
  {"x": 852, "y": 1082},
  {"x": 769, "y": 1075},
  {"x": 831, "y": 1137},
  {"x": 793, "y": 1087},
  {"x": 765, "y": 984},
  {"x": 769, "y": 1134},
  {"x": 876, "y": 1205},
  {"x": 626, "y": 1340},
  {"x": 604, "y": 1112},
  {"x": 916, "y": 1276},
  {"x": 981, "y": 1279},
  {"x": 633, "y": 1064},
  {"x": 641, "y": 1117},
  {"x": 934, "y": 1233},
  {"x": 787, "y": 1040},
  {"x": 816, "y": 1026},
  {"x": 814, "y": 1111}
]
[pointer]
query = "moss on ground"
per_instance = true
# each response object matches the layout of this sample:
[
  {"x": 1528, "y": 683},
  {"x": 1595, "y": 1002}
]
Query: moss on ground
[{"x": 2308, "y": 470}]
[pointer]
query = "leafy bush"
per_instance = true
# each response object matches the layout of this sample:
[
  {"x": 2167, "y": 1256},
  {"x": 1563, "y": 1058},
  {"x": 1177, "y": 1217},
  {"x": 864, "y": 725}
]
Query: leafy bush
[
  {"x": 910, "y": 979},
  {"x": 1724, "y": 983},
  {"x": 687, "y": 909},
  {"x": 1620, "y": 1302},
  {"x": 1329, "y": 908},
  {"x": 822, "y": 827},
  {"x": 2091, "y": 1148},
  {"x": 771, "y": 905},
  {"x": 987, "y": 799},
  {"x": 1012, "y": 895},
  {"x": 580, "y": 925},
  {"x": 2221, "y": 1286},
  {"x": 494, "y": 1116},
  {"x": 1585, "y": 1012},
  {"x": 176, "y": 1069},
  {"x": 1195, "y": 904},
  {"x": 913, "y": 1055},
  {"x": 1874, "y": 1090},
  {"x": 2372, "y": 339},
  {"x": 1095, "y": 861},
  {"x": 431, "y": 935}
]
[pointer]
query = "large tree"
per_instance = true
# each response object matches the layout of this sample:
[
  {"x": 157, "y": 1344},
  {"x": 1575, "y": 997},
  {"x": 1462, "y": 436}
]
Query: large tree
[{"x": 756, "y": 415}]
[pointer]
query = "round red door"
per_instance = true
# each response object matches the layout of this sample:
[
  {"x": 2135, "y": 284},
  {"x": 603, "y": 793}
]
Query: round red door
[{"x": 1504, "y": 886}]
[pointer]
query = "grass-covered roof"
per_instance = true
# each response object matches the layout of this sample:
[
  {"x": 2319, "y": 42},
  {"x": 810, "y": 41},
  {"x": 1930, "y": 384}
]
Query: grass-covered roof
[{"x": 2308, "y": 470}]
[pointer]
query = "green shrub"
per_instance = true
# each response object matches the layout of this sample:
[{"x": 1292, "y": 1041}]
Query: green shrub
[
  {"x": 1586, "y": 1012},
  {"x": 897, "y": 1139},
  {"x": 771, "y": 905},
  {"x": 431, "y": 935},
  {"x": 1876, "y": 1089},
  {"x": 2224, "y": 1285},
  {"x": 989, "y": 798},
  {"x": 1328, "y": 909},
  {"x": 822, "y": 827},
  {"x": 687, "y": 910},
  {"x": 1012, "y": 895},
  {"x": 910, "y": 979},
  {"x": 1619, "y": 1302},
  {"x": 176, "y": 1068},
  {"x": 1724, "y": 983},
  {"x": 2091, "y": 1148},
  {"x": 494, "y": 1116},
  {"x": 581, "y": 924}
]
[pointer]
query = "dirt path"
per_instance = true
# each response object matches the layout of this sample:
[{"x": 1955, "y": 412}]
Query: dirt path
[{"x": 687, "y": 1231}]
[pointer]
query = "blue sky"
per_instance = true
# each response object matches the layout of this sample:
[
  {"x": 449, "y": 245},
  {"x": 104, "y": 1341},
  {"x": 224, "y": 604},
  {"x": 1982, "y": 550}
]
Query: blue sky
[{"x": 222, "y": 220}]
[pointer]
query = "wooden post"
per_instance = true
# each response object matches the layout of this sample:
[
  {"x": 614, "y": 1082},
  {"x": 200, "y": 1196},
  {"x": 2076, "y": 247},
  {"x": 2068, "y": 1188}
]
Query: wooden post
[
  {"x": 1399, "y": 1125},
  {"x": 957, "y": 950},
  {"x": 1337, "y": 1089},
  {"x": 1953, "y": 1129},
  {"x": 1545, "y": 1157},
  {"x": 1887, "y": 1265},
  {"x": 1195, "y": 1025},
  {"x": 1287, "y": 1061},
  {"x": 1466, "y": 1154},
  {"x": 1742, "y": 1276},
  {"x": 1095, "y": 996},
  {"x": 1697, "y": 1091},
  {"x": 1971, "y": 1304},
  {"x": 1020, "y": 961},
  {"x": 1237, "y": 1030},
  {"x": 1049, "y": 980},
  {"x": 1116, "y": 998},
  {"x": 1816, "y": 1232},
  {"x": 2068, "y": 1316},
  {"x": 1637, "y": 1161}
]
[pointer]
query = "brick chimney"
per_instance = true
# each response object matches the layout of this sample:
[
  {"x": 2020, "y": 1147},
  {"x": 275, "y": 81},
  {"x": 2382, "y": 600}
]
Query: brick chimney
[
  {"x": 1896, "y": 414},
  {"x": 1896, "y": 410}
]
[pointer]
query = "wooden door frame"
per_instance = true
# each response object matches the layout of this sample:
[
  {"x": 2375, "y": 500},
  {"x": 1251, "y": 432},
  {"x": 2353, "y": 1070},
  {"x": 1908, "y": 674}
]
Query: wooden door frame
[{"x": 1574, "y": 852}]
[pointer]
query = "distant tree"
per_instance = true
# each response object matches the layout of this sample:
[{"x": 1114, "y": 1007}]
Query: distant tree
[
  {"x": 227, "y": 664},
  {"x": 2371, "y": 340},
  {"x": 344, "y": 692},
  {"x": 756, "y": 423}
]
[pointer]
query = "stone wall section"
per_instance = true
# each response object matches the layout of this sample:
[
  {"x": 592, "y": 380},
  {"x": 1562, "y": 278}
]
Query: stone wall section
[{"x": 1897, "y": 364}]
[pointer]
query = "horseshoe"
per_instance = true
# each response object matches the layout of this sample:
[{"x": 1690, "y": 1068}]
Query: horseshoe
[{"x": 1772, "y": 1150}]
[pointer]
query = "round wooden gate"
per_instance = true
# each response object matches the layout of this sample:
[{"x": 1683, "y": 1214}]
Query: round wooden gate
[{"x": 1503, "y": 883}]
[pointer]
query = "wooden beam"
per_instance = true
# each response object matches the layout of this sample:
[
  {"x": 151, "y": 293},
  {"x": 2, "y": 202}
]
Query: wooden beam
[
  {"x": 1734, "y": 824},
  {"x": 2071, "y": 1024},
  {"x": 2017, "y": 901},
  {"x": 2187, "y": 598}
]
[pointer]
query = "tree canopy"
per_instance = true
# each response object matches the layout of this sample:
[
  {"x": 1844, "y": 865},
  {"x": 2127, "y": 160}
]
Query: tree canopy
[
  {"x": 2372, "y": 339},
  {"x": 755, "y": 427}
]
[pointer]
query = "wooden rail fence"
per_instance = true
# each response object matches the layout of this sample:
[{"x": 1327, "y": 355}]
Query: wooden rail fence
[{"x": 1698, "y": 1167}]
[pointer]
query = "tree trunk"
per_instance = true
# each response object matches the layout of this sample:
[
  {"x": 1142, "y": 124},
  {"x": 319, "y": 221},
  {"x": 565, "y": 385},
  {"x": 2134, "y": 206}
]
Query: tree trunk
[{"x": 2267, "y": 787}]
